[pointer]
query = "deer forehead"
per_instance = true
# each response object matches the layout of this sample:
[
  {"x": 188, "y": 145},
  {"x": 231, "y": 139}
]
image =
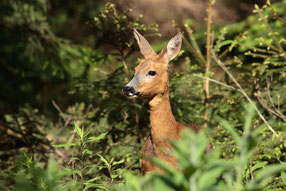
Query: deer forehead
[{"x": 150, "y": 64}]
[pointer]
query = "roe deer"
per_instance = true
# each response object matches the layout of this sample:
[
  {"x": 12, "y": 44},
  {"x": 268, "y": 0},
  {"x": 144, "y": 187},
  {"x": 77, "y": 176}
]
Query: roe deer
[{"x": 151, "y": 81}]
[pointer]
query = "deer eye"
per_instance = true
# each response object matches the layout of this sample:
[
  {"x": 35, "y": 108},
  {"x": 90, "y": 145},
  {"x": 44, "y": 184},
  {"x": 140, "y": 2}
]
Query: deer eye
[{"x": 152, "y": 73}]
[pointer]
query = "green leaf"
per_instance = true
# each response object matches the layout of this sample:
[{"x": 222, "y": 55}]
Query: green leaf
[
  {"x": 104, "y": 160},
  {"x": 283, "y": 176},
  {"x": 91, "y": 185},
  {"x": 65, "y": 145},
  {"x": 78, "y": 130},
  {"x": 118, "y": 162},
  {"x": 93, "y": 179},
  {"x": 87, "y": 133},
  {"x": 226, "y": 42},
  {"x": 73, "y": 159},
  {"x": 259, "y": 165},
  {"x": 76, "y": 172},
  {"x": 87, "y": 151},
  {"x": 263, "y": 175},
  {"x": 101, "y": 136},
  {"x": 114, "y": 176},
  {"x": 175, "y": 176},
  {"x": 82, "y": 132}
]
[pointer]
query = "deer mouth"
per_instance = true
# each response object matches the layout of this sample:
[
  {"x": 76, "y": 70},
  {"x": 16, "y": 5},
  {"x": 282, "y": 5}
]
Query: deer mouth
[
  {"x": 130, "y": 91},
  {"x": 134, "y": 95}
]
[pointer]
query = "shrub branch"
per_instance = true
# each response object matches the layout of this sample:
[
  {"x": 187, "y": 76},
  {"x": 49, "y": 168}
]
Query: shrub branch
[{"x": 219, "y": 62}]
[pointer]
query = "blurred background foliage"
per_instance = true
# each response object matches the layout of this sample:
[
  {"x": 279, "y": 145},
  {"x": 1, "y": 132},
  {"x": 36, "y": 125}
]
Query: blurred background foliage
[{"x": 65, "y": 124}]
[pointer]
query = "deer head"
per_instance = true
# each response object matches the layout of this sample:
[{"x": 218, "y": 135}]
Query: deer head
[{"x": 151, "y": 75}]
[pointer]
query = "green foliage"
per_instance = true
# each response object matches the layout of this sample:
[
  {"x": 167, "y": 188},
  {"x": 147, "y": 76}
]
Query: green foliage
[
  {"x": 33, "y": 56},
  {"x": 32, "y": 176},
  {"x": 80, "y": 164},
  {"x": 201, "y": 171},
  {"x": 116, "y": 28}
]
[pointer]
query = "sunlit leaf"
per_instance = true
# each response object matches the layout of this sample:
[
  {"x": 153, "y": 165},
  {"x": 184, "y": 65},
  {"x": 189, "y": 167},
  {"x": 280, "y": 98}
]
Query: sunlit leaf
[{"x": 101, "y": 136}]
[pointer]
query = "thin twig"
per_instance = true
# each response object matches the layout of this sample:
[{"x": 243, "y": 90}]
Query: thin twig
[
  {"x": 207, "y": 88},
  {"x": 66, "y": 119},
  {"x": 218, "y": 82},
  {"x": 250, "y": 169},
  {"x": 268, "y": 92},
  {"x": 60, "y": 154},
  {"x": 193, "y": 50},
  {"x": 255, "y": 55},
  {"x": 276, "y": 112},
  {"x": 21, "y": 131},
  {"x": 73, "y": 167},
  {"x": 197, "y": 55},
  {"x": 208, "y": 36},
  {"x": 270, "y": 30},
  {"x": 82, "y": 165},
  {"x": 275, "y": 14},
  {"x": 219, "y": 62},
  {"x": 56, "y": 106},
  {"x": 272, "y": 108},
  {"x": 193, "y": 40},
  {"x": 255, "y": 49},
  {"x": 125, "y": 65},
  {"x": 272, "y": 47}
]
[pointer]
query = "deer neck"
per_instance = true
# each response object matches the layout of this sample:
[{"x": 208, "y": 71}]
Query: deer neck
[{"x": 163, "y": 123}]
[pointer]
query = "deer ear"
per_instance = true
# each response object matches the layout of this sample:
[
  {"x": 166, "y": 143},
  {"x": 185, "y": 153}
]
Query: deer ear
[
  {"x": 172, "y": 49},
  {"x": 144, "y": 45}
]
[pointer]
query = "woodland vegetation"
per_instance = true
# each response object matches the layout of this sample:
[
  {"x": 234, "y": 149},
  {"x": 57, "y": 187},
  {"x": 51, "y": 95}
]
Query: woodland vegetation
[{"x": 66, "y": 125}]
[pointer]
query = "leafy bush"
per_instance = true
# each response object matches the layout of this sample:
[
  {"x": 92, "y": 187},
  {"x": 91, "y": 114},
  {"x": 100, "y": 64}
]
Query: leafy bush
[{"x": 201, "y": 171}]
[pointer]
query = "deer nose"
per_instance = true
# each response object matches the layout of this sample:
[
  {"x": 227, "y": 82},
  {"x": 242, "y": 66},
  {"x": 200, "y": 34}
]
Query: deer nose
[{"x": 130, "y": 91}]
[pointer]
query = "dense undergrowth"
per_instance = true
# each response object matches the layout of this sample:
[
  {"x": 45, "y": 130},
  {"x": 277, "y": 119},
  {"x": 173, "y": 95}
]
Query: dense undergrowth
[{"x": 65, "y": 124}]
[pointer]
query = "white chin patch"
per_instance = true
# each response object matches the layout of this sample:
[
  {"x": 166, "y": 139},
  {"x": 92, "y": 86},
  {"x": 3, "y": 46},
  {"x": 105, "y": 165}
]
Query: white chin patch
[{"x": 132, "y": 95}]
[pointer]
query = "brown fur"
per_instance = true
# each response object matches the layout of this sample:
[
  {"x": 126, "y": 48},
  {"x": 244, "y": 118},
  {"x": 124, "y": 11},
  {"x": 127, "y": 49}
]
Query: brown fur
[{"x": 164, "y": 127}]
